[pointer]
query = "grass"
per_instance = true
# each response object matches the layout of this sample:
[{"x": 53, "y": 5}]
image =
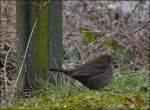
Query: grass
[{"x": 127, "y": 90}]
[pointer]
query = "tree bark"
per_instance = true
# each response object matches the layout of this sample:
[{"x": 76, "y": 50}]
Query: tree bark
[{"x": 55, "y": 38}]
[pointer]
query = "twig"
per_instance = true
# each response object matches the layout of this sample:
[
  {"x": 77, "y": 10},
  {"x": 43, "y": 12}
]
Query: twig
[
  {"x": 5, "y": 73},
  {"x": 134, "y": 8},
  {"x": 143, "y": 26},
  {"x": 91, "y": 49},
  {"x": 23, "y": 60}
]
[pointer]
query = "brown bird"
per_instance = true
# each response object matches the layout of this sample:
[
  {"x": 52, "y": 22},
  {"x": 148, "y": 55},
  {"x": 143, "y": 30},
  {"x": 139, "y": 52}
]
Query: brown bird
[{"x": 94, "y": 74}]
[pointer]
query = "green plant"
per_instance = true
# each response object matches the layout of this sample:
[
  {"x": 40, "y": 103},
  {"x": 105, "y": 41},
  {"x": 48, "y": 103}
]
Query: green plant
[
  {"x": 120, "y": 53},
  {"x": 88, "y": 35},
  {"x": 73, "y": 54}
]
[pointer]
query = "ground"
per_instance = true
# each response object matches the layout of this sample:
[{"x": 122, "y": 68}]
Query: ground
[{"x": 128, "y": 90}]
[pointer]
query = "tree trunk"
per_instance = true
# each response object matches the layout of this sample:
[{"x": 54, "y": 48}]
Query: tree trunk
[
  {"x": 55, "y": 38},
  {"x": 35, "y": 66}
]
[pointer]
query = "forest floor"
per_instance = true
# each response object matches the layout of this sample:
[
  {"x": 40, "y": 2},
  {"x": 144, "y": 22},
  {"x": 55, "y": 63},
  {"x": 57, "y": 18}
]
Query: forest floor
[{"x": 128, "y": 90}]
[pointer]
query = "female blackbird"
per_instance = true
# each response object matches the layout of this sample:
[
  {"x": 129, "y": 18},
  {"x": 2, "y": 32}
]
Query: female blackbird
[{"x": 94, "y": 74}]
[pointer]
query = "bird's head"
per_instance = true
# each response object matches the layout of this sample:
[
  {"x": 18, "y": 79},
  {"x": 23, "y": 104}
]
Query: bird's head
[{"x": 107, "y": 60}]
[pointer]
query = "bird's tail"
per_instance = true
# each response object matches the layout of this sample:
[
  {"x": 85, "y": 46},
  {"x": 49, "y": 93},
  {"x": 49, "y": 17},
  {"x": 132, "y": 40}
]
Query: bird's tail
[{"x": 60, "y": 70}]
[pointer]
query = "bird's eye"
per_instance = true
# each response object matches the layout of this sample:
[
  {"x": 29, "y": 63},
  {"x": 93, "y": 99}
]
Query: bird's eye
[{"x": 114, "y": 64}]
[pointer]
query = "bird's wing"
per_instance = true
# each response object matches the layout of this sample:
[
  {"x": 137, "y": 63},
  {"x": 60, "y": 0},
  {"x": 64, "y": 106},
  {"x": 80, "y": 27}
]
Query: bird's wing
[
  {"x": 90, "y": 67},
  {"x": 106, "y": 75},
  {"x": 89, "y": 71}
]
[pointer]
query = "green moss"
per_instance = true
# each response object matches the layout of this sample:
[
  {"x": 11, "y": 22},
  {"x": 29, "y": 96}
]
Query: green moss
[
  {"x": 123, "y": 92},
  {"x": 40, "y": 45}
]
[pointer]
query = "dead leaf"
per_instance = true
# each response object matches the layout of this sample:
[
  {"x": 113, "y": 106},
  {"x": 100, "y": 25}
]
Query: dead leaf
[{"x": 139, "y": 101}]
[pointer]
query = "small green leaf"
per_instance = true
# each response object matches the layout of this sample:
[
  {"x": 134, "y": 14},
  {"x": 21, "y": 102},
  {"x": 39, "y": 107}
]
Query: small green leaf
[
  {"x": 111, "y": 43},
  {"x": 89, "y": 37},
  {"x": 84, "y": 30}
]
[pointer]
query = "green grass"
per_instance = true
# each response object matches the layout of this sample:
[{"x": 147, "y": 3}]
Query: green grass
[{"x": 127, "y": 90}]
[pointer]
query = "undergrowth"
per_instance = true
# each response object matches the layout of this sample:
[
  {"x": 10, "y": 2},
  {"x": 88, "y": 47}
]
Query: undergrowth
[{"x": 127, "y": 90}]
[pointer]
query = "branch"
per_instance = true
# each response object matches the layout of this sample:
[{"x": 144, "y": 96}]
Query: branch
[{"x": 143, "y": 26}]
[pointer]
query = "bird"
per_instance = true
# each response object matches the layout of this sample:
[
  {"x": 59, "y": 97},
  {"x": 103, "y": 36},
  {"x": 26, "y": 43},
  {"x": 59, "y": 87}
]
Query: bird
[{"x": 94, "y": 74}]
